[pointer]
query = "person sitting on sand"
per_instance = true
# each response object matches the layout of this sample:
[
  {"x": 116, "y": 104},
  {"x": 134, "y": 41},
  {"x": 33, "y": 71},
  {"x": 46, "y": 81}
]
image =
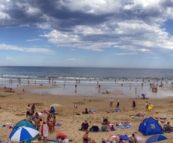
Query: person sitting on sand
[
  {"x": 86, "y": 111},
  {"x": 133, "y": 139},
  {"x": 105, "y": 121},
  {"x": 140, "y": 115},
  {"x": 84, "y": 126},
  {"x": 121, "y": 141},
  {"x": 167, "y": 127},
  {"x": 52, "y": 110},
  {"x": 119, "y": 124}
]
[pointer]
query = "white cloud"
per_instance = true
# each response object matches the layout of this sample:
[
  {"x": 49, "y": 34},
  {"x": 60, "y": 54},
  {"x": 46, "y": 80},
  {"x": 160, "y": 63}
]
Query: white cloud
[
  {"x": 22, "y": 49},
  {"x": 32, "y": 40},
  {"x": 137, "y": 36},
  {"x": 71, "y": 59},
  {"x": 10, "y": 58},
  {"x": 123, "y": 54}
]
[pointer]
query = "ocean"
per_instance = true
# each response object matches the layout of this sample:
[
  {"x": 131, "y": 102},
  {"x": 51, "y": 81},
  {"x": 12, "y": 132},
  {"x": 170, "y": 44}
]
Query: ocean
[{"x": 85, "y": 78}]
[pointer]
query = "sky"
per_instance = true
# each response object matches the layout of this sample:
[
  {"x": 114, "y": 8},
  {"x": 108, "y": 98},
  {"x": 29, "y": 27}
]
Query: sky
[{"x": 87, "y": 33}]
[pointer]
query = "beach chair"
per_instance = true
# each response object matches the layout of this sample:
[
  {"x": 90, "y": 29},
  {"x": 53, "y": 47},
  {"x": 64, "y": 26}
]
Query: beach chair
[
  {"x": 94, "y": 129},
  {"x": 104, "y": 129}
]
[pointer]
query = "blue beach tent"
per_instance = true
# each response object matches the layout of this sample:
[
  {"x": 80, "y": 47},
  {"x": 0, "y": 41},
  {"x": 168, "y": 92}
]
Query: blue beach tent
[
  {"x": 156, "y": 138},
  {"x": 150, "y": 126}
]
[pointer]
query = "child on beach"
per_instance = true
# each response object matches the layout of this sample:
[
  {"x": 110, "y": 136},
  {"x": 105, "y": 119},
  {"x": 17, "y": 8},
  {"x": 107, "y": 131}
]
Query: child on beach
[{"x": 111, "y": 102}]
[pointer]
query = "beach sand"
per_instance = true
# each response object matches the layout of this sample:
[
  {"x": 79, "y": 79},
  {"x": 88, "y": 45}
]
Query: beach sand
[{"x": 14, "y": 107}]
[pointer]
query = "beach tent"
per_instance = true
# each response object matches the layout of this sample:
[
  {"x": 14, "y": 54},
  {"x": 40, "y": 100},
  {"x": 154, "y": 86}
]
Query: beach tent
[
  {"x": 156, "y": 138},
  {"x": 150, "y": 126}
]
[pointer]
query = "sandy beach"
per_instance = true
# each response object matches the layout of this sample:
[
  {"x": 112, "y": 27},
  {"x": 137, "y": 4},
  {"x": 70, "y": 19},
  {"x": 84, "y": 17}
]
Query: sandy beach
[{"x": 13, "y": 108}]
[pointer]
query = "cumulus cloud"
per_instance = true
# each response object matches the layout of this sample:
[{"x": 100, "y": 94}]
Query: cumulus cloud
[
  {"x": 22, "y": 49},
  {"x": 94, "y": 24}
]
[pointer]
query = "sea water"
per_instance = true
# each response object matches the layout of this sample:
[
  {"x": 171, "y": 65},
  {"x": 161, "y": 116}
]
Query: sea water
[{"x": 64, "y": 79}]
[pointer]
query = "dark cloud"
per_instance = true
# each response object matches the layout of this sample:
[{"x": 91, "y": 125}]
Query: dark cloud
[{"x": 58, "y": 13}]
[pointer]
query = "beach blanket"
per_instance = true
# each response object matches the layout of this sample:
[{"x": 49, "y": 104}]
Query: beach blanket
[
  {"x": 58, "y": 124},
  {"x": 125, "y": 125},
  {"x": 113, "y": 111},
  {"x": 51, "y": 140},
  {"x": 93, "y": 111}
]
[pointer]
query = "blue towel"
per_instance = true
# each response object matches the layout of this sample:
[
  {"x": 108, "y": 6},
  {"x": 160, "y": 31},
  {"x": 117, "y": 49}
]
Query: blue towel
[
  {"x": 58, "y": 124},
  {"x": 118, "y": 110},
  {"x": 92, "y": 111},
  {"x": 121, "y": 127}
]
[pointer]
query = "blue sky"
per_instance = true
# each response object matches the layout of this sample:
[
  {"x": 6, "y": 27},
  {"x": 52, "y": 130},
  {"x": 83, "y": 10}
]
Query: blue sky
[{"x": 87, "y": 33}]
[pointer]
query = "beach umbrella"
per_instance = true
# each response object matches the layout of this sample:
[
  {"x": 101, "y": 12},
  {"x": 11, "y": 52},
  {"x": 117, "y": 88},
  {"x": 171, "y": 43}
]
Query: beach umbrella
[
  {"x": 61, "y": 135},
  {"x": 156, "y": 138},
  {"x": 25, "y": 123},
  {"x": 23, "y": 133},
  {"x": 55, "y": 105}
]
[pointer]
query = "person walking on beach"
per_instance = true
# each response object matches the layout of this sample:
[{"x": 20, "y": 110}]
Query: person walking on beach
[
  {"x": 118, "y": 105},
  {"x": 133, "y": 104},
  {"x": 28, "y": 110},
  {"x": 33, "y": 109},
  {"x": 146, "y": 105},
  {"x": 111, "y": 102}
]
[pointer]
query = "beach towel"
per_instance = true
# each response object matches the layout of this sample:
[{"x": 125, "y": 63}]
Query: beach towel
[
  {"x": 113, "y": 111},
  {"x": 51, "y": 140},
  {"x": 126, "y": 125},
  {"x": 58, "y": 124},
  {"x": 118, "y": 110},
  {"x": 44, "y": 130},
  {"x": 93, "y": 111}
]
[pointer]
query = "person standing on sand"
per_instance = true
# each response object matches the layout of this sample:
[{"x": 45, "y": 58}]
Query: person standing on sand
[
  {"x": 133, "y": 104},
  {"x": 33, "y": 109},
  {"x": 28, "y": 110},
  {"x": 111, "y": 102},
  {"x": 146, "y": 105},
  {"x": 44, "y": 131},
  {"x": 118, "y": 105}
]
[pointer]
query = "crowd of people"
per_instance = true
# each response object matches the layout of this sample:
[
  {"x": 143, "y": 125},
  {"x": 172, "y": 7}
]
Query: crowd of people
[{"x": 43, "y": 125}]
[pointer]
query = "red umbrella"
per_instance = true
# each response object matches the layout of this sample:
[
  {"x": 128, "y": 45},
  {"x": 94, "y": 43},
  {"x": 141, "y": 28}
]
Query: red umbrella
[{"x": 61, "y": 135}]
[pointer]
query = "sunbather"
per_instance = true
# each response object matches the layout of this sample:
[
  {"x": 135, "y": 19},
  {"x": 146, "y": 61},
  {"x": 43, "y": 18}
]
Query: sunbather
[
  {"x": 119, "y": 124},
  {"x": 140, "y": 115}
]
